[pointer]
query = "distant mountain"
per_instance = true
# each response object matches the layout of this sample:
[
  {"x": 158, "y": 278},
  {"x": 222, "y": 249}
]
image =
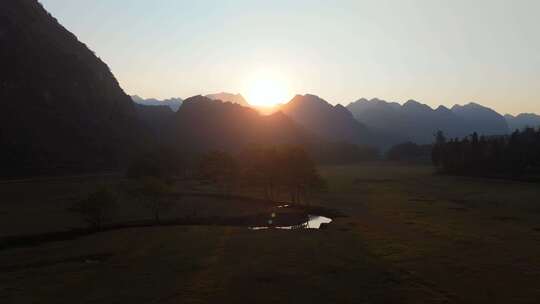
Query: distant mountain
[
  {"x": 173, "y": 103},
  {"x": 61, "y": 107},
  {"x": 330, "y": 122},
  {"x": 417, "y": 122},
  {"x": 481, "y": 119},
  {"x": 522, "y": 120},
  {"x": 212, "y": 124},
  {"x": 234, "y": 98}
]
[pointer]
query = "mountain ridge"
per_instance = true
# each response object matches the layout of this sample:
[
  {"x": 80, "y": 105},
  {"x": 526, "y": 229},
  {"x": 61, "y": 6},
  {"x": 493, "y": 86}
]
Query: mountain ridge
[
  {"x": 417, "y": 122},
  {"x": 230, "y": 97},
  {"x": 213, "y": 124},
  {"x": 324, "y": 119},
  {"x": 522, "y": 120},
  {"x": 174, "y": 102}
]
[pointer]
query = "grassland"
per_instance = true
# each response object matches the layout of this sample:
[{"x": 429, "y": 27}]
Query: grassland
[{"x": 409, "y": 236}]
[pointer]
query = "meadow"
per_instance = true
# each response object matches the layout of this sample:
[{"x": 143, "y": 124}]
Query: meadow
[{"x": 406, "y": 235}]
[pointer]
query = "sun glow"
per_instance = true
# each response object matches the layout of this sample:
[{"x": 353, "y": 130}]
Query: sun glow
[{"x": 266, "y": 92}]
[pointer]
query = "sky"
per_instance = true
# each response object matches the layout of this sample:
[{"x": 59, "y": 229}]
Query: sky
[{"x": 433, "y": 51}]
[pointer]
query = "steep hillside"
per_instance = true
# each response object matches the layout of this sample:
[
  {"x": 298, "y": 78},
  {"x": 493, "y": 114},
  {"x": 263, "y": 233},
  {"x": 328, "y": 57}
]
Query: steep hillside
[{"x": 62, "y": 109}]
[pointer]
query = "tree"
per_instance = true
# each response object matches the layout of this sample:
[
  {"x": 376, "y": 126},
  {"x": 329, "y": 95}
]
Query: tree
[
  {"x": 438, "y": 148},
  {"x": 154, "y": 194},
  {"x": 515, "y": 155},
  {"x": 299, "y": 174},
  {"x": 219, "y": 168},
  {"x": 261, "y": 170},
  {"x": 97, "y": 208}
]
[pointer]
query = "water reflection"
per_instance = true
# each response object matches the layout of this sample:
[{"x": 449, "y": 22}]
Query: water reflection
[{"x": 313, "y": 222}]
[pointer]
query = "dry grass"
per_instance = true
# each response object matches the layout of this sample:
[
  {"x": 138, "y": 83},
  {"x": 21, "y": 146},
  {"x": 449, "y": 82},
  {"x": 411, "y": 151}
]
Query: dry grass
[{"x": 409, "y": 237}]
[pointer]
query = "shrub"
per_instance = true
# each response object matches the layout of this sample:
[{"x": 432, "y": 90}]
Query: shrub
[{"x": 97, "y": 208}]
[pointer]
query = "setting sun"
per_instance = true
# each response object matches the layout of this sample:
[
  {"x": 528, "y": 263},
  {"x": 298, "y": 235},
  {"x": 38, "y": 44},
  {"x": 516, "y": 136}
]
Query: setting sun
[{"x": 266, "y": 93}]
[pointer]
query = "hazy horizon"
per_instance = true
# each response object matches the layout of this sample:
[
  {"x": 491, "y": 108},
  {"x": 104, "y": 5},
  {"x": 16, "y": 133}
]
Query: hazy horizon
[{"x": 434, "y": 52}]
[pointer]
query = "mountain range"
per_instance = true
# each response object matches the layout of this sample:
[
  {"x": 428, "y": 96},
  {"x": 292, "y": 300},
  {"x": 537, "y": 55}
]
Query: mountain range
[
  {"x": 63, "y": 110},
  {"x": 417, "y": 122},
  {"x": 522, "y": 121},
  {"x": 229, "y": 97},
  {"x": 173, "y": 103}
]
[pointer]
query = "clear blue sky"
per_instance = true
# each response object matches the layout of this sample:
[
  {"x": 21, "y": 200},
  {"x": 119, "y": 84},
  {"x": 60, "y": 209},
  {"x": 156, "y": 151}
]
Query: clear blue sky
[{"x": 436, "y": 52}]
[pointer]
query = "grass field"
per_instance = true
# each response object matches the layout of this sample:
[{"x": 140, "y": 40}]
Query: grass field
[{"x": 408, "y": 236}]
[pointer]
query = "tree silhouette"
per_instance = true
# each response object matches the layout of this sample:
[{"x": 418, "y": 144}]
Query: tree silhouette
[
  {"x": 300, "y": 175},
  {"x": 97, "y": 208},
  {"x": 154, "y": 194},
  {"x": 516, "y": 155},
  {"x": 219, "y": 168}
]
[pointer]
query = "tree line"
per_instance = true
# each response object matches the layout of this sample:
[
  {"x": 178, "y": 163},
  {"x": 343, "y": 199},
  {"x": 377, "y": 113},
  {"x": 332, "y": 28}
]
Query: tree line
[
  {"x": 274, "y": 172},
  {"x": 277, "y": 172},
  {"x": 516, "y": 155}
]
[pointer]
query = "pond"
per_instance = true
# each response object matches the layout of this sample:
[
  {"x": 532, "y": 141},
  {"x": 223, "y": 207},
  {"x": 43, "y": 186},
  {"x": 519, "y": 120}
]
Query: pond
[{"x": 313, "y": 222}]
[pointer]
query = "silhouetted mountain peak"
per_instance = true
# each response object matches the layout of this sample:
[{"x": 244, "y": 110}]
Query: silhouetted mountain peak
[
  {"x": 470, "y": 106},
  {"x": 522, "y": 120},
  {"x": 482, "y": 119},
  {"x": 443, "y": 110},
  {"x": 309, "y": 99},
  {"x": 362, "y": 100},
  {"x": 474, "y": 107},
  {"x": 173, "y": 103},
  {"x": 137, "y": 98},
  {"x": 413, "y": 104},
  {"x": 333, "y": 122},
  {"x": 343, "y": 110},
  {"x": 196, "y": 98},
  {"x": 528, "y": 116},
  {"x": 229, "y": 97},
  {"x": 199, "y": 102},
  {"x": 417, "y": 121},
  {"x": 308, "y": 103},
  {"x": 205, "y": 124}
]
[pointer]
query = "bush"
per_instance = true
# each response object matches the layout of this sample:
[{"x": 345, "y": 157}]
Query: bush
[{"x": 97, "y": 208}]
